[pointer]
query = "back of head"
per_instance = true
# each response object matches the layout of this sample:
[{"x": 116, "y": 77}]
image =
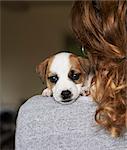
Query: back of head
[{"x": 101, "y": 27}]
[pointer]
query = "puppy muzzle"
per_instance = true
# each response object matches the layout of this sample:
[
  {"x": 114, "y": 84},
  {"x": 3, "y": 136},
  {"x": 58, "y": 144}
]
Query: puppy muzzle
[{"x": 66, "y": 95}]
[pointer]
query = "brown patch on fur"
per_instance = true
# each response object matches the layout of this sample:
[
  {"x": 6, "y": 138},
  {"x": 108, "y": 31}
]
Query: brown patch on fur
[
  {"x": 77, "y": 66},
  {"x": 43, "y": 70},
  {"x": 49, "y": 73}
]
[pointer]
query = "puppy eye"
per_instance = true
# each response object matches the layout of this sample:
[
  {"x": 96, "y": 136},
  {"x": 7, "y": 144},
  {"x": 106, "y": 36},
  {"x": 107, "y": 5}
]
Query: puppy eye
[
  {"x": 74, "y": 76},
  {"x": 53, "y": 79}
]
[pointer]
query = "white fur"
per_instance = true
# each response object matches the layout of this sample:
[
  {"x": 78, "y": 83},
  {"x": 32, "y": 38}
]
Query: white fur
[
  {"x": 61, "y": 66},
  {"x": 47, "y": 92},
  {"x": 87, "y": 85}
]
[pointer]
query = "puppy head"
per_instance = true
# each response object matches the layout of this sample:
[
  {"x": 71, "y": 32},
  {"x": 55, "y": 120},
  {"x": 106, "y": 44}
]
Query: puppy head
[{"x": 65, "y": 74}]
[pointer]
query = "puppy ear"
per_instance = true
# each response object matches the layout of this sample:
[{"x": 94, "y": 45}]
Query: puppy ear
[
  {"x": 85, "y": 64},
  {"x": 42, "y": 68}
]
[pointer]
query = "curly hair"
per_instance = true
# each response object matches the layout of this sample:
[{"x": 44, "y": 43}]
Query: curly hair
[{"x": 101, "y": 27}]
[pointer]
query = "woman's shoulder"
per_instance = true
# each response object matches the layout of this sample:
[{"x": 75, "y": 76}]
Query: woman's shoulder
[
  {"x": 74, "y": 123},
  {"x": 39, "y": 101}
]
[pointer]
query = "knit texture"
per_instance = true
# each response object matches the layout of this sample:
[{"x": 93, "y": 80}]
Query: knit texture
[{"x": 44, "y": 124}]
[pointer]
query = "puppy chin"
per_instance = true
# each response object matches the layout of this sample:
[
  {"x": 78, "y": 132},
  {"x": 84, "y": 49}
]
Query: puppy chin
[{"x": 64, "y": 102}]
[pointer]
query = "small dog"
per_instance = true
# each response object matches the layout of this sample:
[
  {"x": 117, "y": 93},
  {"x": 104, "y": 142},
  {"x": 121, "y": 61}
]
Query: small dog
[{"x": 67, "y": 76}]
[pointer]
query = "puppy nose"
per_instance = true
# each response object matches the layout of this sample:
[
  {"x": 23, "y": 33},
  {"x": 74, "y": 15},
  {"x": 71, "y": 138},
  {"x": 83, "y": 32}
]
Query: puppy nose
[{"x": 66, "y": 94}]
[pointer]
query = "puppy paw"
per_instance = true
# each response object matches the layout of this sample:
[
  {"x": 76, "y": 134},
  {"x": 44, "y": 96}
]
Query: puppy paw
[
  {"x": 47, "y": 92},
  {"x": 85, "y": 91}
]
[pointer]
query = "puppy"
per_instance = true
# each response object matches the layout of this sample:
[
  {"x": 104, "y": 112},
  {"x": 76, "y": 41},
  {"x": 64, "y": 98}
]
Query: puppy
[{"x": 66, "y": 76}]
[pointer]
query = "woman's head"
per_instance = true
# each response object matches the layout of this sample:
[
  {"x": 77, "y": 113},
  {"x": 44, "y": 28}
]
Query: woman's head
[{"x": 101, "y": 27}]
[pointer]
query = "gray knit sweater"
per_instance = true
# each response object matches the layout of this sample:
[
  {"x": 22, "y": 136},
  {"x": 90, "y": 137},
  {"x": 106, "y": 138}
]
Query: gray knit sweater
[{"x": 44, "y": 124}]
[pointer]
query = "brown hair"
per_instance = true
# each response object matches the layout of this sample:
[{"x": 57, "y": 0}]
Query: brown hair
[{"x": 101, "y": 27}]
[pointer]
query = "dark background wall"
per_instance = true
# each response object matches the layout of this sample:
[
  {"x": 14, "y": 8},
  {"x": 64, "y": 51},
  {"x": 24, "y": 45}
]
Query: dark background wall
[{"x": 31, "y": 31}]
